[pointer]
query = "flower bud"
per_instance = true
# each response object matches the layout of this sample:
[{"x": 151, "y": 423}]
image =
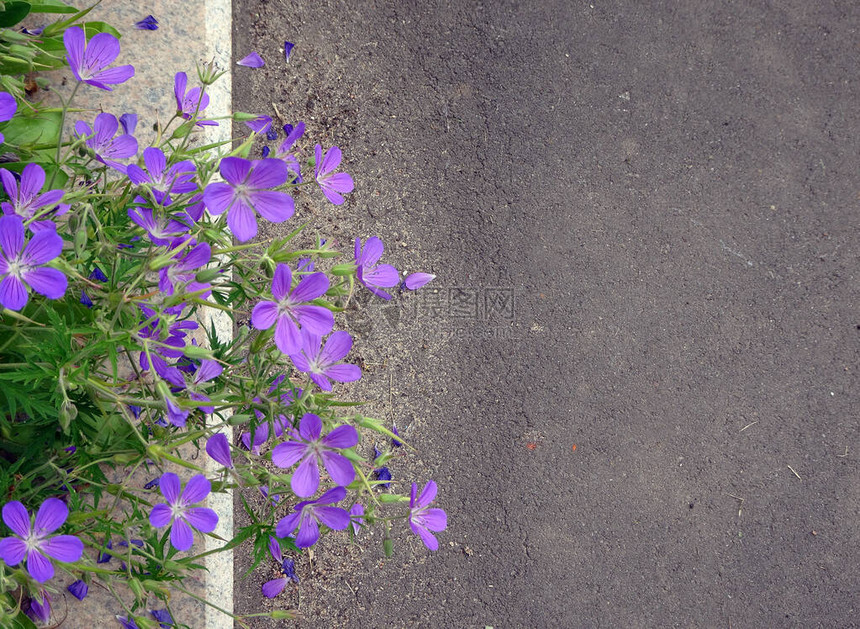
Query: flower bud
[
  {"x": 341, "y": 270},
  {"x": 392, "y": 498},
  {"x": 241, "y": 116},
  {"x": 207, "y": 275},
  {"x": 388, "y": 547},
  {"x": 137, "y": 589},
  {"x": 283, "y": 613},
  {"x": 197, "y": 352}
]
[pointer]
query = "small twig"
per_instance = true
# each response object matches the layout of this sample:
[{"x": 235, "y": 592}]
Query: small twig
[
  {"x": 350, "y": 589},
  {"x": 842, "y": 456},
  {"x": 793, "y": 472},
  {"x": 748, "y": 425},
  {"x": 741, "y": 505}
]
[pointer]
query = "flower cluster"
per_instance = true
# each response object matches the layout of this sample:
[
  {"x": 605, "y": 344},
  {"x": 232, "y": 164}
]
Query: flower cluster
[{"x": 112, "y": 254}]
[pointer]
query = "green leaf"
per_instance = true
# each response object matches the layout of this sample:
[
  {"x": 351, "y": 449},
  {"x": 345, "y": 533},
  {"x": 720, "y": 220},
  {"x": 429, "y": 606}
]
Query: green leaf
[
  {"x": 31, "y": 128},
  {"x": 94, "y": 28},
  {"x": 50, "y": 6},
  {"x": 13, "y": 12}
]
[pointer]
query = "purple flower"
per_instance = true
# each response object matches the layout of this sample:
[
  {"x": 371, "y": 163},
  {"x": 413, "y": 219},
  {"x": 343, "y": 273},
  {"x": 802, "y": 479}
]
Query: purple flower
[
  {"x": 177, "y": 179},
  {"x": 192, "y": 103},
  {"x": 274, "y": 587},
  {"x": 78, "y": 589},
  {"x": 285, "y": 151},
  {"x": 148, "y": 23},
  {"x": 218, "y": 447},
  {"x": 383, "y": 474},
  {"x": 183, "y": 272},
  {"x": 311, "y": 450},
  {"x": 153, "y": 483},
  {"x": 260, "y": 124},
  {"x": 424, "y": 520},
  {"x": 265, "y": 151},
  {"x": 321, "y": 363},
  {"x": 290, "y": 309},
  {"x": 394, "y": 442},
  {"x": 274, "y": 498},
  {"x": 126, "y": 622},
  {"x": 307, "y": 516},
  {"x": 275, "y": 549},
  {"x": 8, "y": 107},
  {"x": 25, "y": 200},
  {"x": 417, "y": 280},
  {"x": 163, "y": 343},
  {"x": 246, "y": 191},
  {"x": 271, "y": 135},
  {"x": 88, "y": 61},
  {"x": 374, "y": 277},
  {"x": 178, "y": 511},
  {"x": 207, "y": 370},
  {"x": 332, "y": 184},
  {"x": 161, "y": 229},
  {"x": 21, "y": 266},
  {"x": 103, "y": 143},
  {"x": 104, "y": 556},
  {"x": 288, "y": 48},
  {"x": 40, "y": 611},
  {"x": 163, "y": 617},
  {"x": 252, "y": 61},
  {"x": 356, "y": 515},
  {"x": 35, "y": 542}
]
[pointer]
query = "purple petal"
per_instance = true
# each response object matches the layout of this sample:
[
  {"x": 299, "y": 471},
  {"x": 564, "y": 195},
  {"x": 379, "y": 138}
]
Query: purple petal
[
  {"x": 113, "y": 76},
  {"x": 253, "y": 60},
  {"x": 268, "y": 173},
  {"x": 310, "y": 287},
  {"x": 101, "y": 50},
  {"x": 235, "y": 170},
  {"x": 129, "y": 123},
  {"x": 276, "y": 207},
  {"x": 149, "y": 23},
  {"x": 339, "y": 182},
  {"x": 316, "y": 319},
  {"x": 427, "y": 537},
  {"x": 218, "y": 447},
  {"x": 333, "y": 517},
  {"x": 8, "y": 106},
  {"x": 288, "y": 339},
  {"x": 126, "y": 622},
  {"x": 43, "y": 247},
  {"x": 32, "y": 180},
  {"x": 75, "y": 42},
  {"x": 357, "y": 517},
  {"x": 428, "y": 494},
  {"x": 331, "y": 160},
  {"x": 341, "y": 437},
  {"x": 12, "y": 550},
  {"x": 339, "y": 467},
  {"x": 170, "y": 487},
  {"x": 288, "y": 454},
  {"x": 343, "y": 373},
  {"x": 208, "y": 370},
  {"x": 310, "y": 427},
  {"x": 13, "y": 293},
  {"x": 39, "y": 567},
  {"x": 181, "y": 535},
  {"x": 51, "y": 516},
  {"x": 274, "y": 587},
  {"x": 332, "y": 196},
  {"x": 264, "y": 314},
  {"x": 156, "y": 162},
  {"x": 417, "y": 280},
  {"x": 337, "y": 346},
  {"x": 259, "y": 124},
  {"x": 288, "y": 48},
  {"x": 11, "y": 235},
  {"x": 333, "y": 495},
  {"x": 201, "y": 518},
  {"x": 217, "y": 196},
  {"x": 282, "y": 282},
  {"x": 160, "y": 515},
  {"x": 275, "y": 549},
  {"x": 16, "y": 518},
  {"x": 78, "y": 589},
  {"x": 66, "y": 548},
  {"x": 196, "y": 490},
  {"x": 384, "y": 275},
  {"x": 242, "y": 222},
  {"x": 47, "y": 281},
  {"x": 435, "y": 520},
  {"x": 309, "y": 532},
  {"x": 371, "y": 252},
  {"x": 287, "y": 524},
  {"x": 306, "y": 478}
]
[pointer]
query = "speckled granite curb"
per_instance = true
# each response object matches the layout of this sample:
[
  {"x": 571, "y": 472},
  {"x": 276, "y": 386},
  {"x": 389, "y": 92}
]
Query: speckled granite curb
[{"x": 189, "y": 32}]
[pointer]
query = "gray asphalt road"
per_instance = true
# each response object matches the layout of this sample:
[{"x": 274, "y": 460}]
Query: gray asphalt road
[{"x": 644, "y": 220}]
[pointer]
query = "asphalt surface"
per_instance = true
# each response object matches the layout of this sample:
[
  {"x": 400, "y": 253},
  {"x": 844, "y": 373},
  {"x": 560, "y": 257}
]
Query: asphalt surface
[{"x": 636, "y": 384}]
